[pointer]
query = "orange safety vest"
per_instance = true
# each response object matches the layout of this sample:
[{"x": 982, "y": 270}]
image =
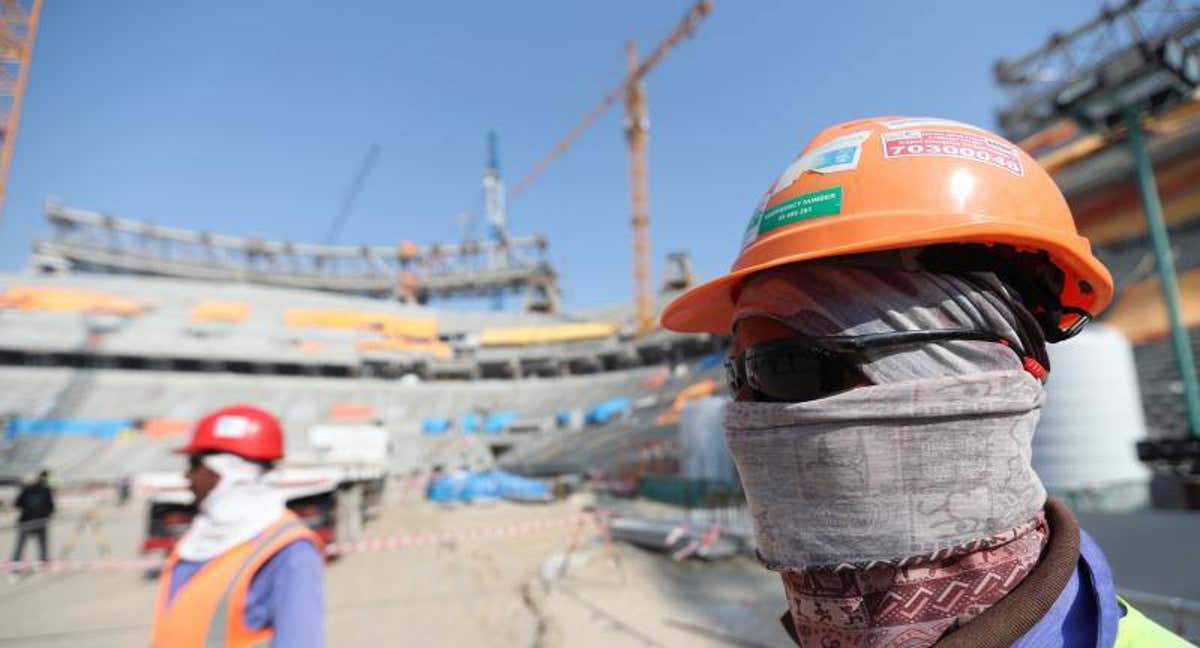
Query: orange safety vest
[{"x": 209, "y": 611}]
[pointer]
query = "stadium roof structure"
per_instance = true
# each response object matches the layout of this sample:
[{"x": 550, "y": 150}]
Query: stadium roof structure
[{"x": 90, "y": 241}]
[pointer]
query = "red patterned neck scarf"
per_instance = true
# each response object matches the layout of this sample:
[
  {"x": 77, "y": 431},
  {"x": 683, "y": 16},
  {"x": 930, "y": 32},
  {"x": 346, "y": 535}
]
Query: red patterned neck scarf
[{"x": 915, "y": 602}]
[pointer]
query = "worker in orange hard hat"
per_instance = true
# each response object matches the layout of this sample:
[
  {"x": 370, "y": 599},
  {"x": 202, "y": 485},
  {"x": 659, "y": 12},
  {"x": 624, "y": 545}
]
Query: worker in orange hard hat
[
  {"x": 889, "y": 312},
  {"x": 248, "y": 572}
]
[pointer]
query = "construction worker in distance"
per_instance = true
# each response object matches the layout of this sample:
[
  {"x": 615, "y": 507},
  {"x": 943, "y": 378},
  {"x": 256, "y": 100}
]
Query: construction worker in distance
[
  {"x": 889, "y": 312},
  {"x": 248, "y": 572}
]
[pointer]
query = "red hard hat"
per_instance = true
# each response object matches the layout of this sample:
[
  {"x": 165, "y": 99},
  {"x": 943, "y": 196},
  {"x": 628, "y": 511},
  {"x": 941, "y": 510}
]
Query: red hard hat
[{"x": 243, "y": 430}]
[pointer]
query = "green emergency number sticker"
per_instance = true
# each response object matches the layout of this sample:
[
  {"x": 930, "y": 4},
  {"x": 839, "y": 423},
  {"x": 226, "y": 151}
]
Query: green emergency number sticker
[{"x": 826, "y": 202}]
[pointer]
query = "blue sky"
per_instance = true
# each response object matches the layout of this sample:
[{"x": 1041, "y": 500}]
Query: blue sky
[{"x": 250, "y": 117}]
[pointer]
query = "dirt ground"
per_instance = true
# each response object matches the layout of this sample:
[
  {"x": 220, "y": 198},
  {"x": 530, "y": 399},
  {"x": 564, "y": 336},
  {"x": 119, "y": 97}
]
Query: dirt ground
[{"x": 486, "y": 591}]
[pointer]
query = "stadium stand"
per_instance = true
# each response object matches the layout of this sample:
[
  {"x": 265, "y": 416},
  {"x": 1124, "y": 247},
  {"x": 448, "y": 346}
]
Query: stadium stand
[
  {"x": 88, "y": 241},
  {"x": 153, "y": 353},
  {"x": 630, "y": 444},
  {"x": 298, "y": 332},
  {"x": 73, "y": 300},
  {"x": 230, "y": 312},
  {"x": 541, "y": 335},
  {"x": 405, "y": 409},
  {"x": 419, "y": 328},
  {"x": 1159, "y": 383}
]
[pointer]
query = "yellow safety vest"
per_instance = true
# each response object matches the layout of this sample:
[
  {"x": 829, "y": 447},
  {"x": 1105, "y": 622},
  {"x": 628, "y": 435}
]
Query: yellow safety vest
[{"x": 1136, "y": 631}]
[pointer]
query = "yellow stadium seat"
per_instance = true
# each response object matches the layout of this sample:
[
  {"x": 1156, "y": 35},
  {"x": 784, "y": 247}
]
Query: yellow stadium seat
[
  {"x": 220, "y": 311},
  {"x": 424, "y": 328},
  {"x": 526, "y": 336},
  {"x": 433, "y": 348},
  {"x": 30, "y": 298}
]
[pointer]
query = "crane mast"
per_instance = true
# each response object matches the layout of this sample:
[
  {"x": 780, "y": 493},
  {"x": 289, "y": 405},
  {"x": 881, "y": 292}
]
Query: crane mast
[
  {"x": 493, "y": 192},
  {"x": 637, "y": 132},
  {"x": 18, "y": 31},
  {"x": 637, "y": 124}
]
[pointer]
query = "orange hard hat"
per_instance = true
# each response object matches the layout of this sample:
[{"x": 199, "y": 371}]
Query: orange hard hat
[
  {"x": 244, "y": 430},
  {"x": 940, "y": 194}
]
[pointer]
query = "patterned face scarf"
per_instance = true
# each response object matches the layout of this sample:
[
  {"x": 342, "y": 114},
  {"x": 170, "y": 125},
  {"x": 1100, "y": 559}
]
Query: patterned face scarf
[{"x": 928, "y": 467}]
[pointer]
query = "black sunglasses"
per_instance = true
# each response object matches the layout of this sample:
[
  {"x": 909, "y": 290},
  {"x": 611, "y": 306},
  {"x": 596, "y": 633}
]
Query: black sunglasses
[{"x": 804, "y": 368}]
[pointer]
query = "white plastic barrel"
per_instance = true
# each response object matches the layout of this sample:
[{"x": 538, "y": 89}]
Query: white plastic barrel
[{"x": 1084, "y": 448}]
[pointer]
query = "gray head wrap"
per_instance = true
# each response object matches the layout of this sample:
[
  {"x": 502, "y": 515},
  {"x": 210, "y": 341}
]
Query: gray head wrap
[
  {"x": 817, "y": 299},
  {"x": 934, "y": 455}
]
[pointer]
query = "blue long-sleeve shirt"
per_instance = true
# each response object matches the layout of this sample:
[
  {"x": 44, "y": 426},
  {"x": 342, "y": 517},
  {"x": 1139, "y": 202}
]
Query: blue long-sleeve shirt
[{"x": 287, "y": 593}]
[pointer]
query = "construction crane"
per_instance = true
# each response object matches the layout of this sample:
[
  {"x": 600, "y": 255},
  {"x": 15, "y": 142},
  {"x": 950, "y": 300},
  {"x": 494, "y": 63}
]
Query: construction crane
[
  {"x": 493, "y": 192},
  {"x": 637, "y": 124},
  {"x": 18, "y": 30},
  {"x": 351, "y": 195}
]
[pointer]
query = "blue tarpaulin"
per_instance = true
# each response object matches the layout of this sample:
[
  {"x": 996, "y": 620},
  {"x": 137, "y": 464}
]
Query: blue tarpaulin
[
  {"x": 522, "y": 489},
  {"x": 608, "y": 409},
  {"x": 434, "y": 426},
  {"x": 468, "y": 423},
  {"x": 485, "y": 486},
  {"x": 481, "y": 487},
  {"x": 497, "y": 421},
  {"x": 447, "y": 488},
  {"x": 710, "y": 361},
  {"x": 100, "y": 428}
]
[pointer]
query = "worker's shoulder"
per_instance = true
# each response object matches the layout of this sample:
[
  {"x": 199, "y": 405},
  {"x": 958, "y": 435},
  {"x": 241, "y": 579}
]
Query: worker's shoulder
[
  {"x": 300, "y": 552},
  {"x": 298, "y": 557}
]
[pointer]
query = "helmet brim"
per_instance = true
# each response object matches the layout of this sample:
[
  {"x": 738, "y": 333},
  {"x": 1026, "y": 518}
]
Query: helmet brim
[{"x": 709, "y": 307}]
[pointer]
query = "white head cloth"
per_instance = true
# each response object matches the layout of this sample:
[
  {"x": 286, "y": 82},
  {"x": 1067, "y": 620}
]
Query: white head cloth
[{"x": 241, "y": 506}]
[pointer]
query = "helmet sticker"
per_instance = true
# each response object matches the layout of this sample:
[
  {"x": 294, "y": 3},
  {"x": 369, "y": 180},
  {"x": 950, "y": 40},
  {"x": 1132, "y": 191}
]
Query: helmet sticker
[
  {"x": 840, "y": 154},
  {"x": 967, "y": 146},
  {"x": 752, "y": 228},
  {"x": 917, "y": 122},
  {"x": 751, "y": 232},
  {"x": 826, "y": 202},
  {"x": 234, "y": 427}
]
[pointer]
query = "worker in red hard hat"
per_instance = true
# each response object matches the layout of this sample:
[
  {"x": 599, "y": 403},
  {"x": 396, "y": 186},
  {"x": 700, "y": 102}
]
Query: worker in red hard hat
[{"x": 248, "y": 572}]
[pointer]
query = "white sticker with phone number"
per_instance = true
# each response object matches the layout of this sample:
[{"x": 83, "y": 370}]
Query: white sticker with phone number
[{"x": 967, "y": 146}]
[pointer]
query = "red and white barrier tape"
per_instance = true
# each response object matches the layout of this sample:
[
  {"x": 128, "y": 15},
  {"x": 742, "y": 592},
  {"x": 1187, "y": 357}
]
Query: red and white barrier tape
[
  {"x": 338, "y": 548},
  {"x": 676, "y": 533},
  {"x": 700, "y": 545},
  {"x": 427, "y": 539},
  {"x": 94, "y": 565}
]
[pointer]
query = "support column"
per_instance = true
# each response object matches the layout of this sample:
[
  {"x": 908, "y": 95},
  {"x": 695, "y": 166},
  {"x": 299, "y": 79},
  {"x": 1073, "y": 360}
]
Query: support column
[{"x": 1152, "y": 207}]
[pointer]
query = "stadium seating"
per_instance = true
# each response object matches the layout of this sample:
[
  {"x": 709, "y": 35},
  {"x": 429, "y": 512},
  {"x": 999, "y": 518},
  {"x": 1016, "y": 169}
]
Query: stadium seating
[
  {"x": 419, "y": 328},
  {"x": 351, "y": 412},
  {"x": 98, "y": 428},
  {"x": 171, "y": 399},
  {"x": 1139, "y": 313},
  {"x": 541, "y": 335},
  {"x": 205, "y": 345},
  {"x": 407, "y": 345},
  {"x": 436, "y": 425},
  {"x": 469, "y": 423},
  {"x": 606, "y": 445},
  {"x": 232, "y": 312},
  {"x": 24, "y": 297},
  {"x": 166, "y": 428},
  {"x": 497, "y": 422},
  {"x": 608, "y": 410}
]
